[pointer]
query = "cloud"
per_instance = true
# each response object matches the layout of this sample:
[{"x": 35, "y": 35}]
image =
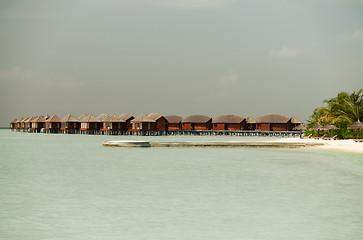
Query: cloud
[
  {"x": 15, "y": 73},
  {"x": 355, "y": 36},
  {"x": 194, "y": 4},
  {"x": 229, "y": 78},
  {"x": 285, "y": 52}
]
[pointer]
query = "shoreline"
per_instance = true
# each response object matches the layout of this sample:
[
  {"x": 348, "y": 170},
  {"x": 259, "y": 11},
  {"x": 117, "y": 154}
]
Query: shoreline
[{"x": 348, "y": 145}]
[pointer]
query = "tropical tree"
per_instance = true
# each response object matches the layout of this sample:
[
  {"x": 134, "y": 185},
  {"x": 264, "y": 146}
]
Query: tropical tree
[
  {"x": 343, "y": 111},
  {"x": 348, "y": 108}
]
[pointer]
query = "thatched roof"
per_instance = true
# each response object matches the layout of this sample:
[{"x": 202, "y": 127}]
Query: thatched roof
[
  {"x": 174, "y": 118},
  {"x": 126, "y": 116},
  {"x": 69, "y": 118},
  {"x": 300, "y": 127},
  {"x": 196, "y": 119},
  {"x": 102, "y": 116},
  {"x": 82, "y": 116},
  {"x": 317, "y": 127},
  {"x": 18, "y": 121},
  {"x": 14, "y": 121},
  {"x": 250, "y": 120},
  {"x": 114, "y": 118},
  {"x": 30, "y": 119},
  {"x": 356, "y": 125},
  {"x": 330, "y": 127},
  {"x": 273, "y": 118},
  {"x": 46, "y": 117},
  {"x": 142, "y": 118},
  {"x": 90, "y": 118},
  {"x": 25, "y": 119},
  {"x": 155, "y": 116},
  {"x": 229, "y": 118},
  {"x": 53, "y": 118},
  {"x": 294, "y": 120},
  {"x": 39, "y": 119}
]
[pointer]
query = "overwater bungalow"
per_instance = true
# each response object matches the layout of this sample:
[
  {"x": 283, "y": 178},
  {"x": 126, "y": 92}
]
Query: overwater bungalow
[
  {"x": 102, "y": 116},
  {"x": 113, "y": 125},
  {"x": 161, "y": 122},
  {"x": 250, "y": 123},
  {"x": 28, "y": 124},
  {"x": 273, "y": 122},
  {"x": 70, "y": 124},
  {"x": 37, "y": 124},
  {"x": 90, "y": 125},
  {"x": 22, "y": 123},
  {"x": 53, "y": 124},
  {"x": 12, "y": 124},
  {"x": 197, "y": 122},
  {"x": 25, "y": 124},
  {"x": 143, "y": 123},
  {"x": 174, "y": 122},
  {"x": 127, "y": 117},
  {"x": 229, "y": 122},
  {"x": 18, "y": 124}
]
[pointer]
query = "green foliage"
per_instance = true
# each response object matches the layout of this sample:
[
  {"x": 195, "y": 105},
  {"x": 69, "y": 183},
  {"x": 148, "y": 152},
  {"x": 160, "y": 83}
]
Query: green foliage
[{"x": 342, "y": 111}]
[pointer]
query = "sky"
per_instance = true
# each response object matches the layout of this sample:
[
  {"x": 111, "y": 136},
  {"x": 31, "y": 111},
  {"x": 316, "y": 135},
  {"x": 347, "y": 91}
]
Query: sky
[{"x": 177, "y": 57}]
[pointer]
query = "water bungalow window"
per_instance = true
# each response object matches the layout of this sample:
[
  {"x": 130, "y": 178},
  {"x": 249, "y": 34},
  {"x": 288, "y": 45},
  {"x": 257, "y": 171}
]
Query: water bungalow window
[
  {"x": 148, "y": 126},
  {"x": 137, "y": 125}
]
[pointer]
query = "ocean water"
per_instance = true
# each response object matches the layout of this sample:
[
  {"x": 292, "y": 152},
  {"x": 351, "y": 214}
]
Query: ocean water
[{"x": 71, "y": 187}]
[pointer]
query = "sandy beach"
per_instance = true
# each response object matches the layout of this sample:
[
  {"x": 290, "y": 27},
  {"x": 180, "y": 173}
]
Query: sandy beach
[{"x": 340, "y": 145}]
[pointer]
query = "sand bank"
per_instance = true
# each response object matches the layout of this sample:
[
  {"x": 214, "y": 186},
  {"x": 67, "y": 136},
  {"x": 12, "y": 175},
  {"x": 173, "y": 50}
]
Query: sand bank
[{"x": 264, "y": 144}]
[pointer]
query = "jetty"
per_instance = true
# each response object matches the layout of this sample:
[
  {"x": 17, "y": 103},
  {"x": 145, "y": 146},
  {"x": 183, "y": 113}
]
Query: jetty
[{"x": 131, "y": 143}]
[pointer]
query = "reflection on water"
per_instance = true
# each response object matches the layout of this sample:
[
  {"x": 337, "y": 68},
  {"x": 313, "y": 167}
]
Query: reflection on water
[{"x": 70, "y": 187}]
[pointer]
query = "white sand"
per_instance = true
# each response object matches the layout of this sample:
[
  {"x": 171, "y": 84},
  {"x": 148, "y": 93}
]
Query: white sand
[{"x": 341, "y": 145}]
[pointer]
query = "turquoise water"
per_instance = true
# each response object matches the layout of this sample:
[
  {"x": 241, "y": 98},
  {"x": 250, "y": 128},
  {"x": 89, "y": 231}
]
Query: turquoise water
[{"x": 70, "y": 187}]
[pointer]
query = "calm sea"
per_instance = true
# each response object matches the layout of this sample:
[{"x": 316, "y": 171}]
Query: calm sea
[{"x": 64, "y": 187}]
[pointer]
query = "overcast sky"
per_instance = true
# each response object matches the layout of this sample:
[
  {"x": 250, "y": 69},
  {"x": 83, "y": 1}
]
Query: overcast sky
[{"x": 179, "y": 57}]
